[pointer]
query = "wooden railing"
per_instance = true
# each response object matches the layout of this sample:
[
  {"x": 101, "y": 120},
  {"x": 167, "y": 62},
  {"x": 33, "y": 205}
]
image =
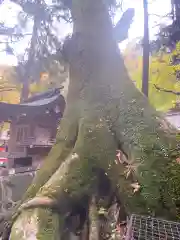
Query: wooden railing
[
  {"x": 17, "y": 155},
  {"x": 36, "y": 142}
]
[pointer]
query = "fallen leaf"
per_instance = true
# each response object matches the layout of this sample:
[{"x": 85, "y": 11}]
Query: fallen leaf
[
  {"x": 178, "y": 160},
  {"x": 135, "y": 186},
  {"x": 118, "y": 228},
  {"x": 127, "y": 172},
  {"x": 119, "y": 156},
  {"x": 116, "y": 162},
  {"x": 131, "y": 168}
]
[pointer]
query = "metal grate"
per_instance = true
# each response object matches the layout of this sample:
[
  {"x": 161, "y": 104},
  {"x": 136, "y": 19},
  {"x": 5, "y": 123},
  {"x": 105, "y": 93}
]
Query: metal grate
[{"x": 143, "y": 228}]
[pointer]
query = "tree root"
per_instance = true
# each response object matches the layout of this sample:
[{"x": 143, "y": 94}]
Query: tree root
[
  {"x": 66, "y": 139},
  {"x": 60, "y": 187},
  {"x": 38, "y": 202},
  {"x": 93, "y": 220},
  {"x": 77, "y": 176}
]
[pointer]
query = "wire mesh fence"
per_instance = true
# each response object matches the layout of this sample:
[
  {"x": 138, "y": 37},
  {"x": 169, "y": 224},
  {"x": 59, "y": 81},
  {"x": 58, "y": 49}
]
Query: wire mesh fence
[{"x": 146, "y": 228}]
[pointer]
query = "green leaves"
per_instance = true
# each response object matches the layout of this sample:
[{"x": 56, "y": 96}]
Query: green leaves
[{"x": 162, "y": 76}]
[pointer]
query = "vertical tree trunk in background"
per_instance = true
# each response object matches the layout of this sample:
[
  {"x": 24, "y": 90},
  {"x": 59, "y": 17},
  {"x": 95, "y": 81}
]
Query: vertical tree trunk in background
[
  {"x": 175, "y": 6},
  {"x": 146, "y": 46},
  {"x": 2, "y": 124},
  {"x": 177, "y": 10},
  {"x": 29, "y": 65}
]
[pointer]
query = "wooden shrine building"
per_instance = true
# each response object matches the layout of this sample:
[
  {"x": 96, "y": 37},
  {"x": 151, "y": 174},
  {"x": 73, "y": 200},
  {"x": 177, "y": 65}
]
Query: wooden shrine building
[{"x": 33, "y": 127}]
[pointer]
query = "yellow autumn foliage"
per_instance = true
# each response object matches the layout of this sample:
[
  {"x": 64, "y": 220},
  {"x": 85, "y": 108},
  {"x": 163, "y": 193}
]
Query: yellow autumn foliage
[
  {"x": 161, "y": 73},
  {"x": 9, "y": 89},
  {"x": 53, "y": 78}
]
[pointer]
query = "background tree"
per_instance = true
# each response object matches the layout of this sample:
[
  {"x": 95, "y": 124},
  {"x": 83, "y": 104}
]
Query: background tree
[
  {"x": 162, "y": 75},
  {"x": 169, "y": 34},
  {"x": 167, "y": 43},
  {"x": 42, "y": 43},
  {"x": 40, "y": 58}
]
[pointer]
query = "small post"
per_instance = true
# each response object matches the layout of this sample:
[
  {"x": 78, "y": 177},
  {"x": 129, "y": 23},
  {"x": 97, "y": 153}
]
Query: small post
[{"x": 145, "y": 75}]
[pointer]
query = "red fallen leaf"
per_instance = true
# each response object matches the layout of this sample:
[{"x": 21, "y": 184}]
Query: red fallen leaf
[
  {"x": 178, "y": 160},
  {"x": 121, "y": 229},
  {"x": 118, "y": 228},
  {"x": 135, "y": 187},
  {"x": 119, "y": 156}
]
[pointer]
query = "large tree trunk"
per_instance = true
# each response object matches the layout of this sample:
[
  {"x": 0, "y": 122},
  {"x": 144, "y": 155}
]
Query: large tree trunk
[{"x": 104, "y": 113}]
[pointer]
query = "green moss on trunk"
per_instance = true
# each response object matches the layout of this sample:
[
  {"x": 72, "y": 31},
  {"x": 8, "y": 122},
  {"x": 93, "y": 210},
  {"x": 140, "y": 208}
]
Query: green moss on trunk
[
  {"x": 109, "y": 93},
  {"x": 37, "y": 224}
]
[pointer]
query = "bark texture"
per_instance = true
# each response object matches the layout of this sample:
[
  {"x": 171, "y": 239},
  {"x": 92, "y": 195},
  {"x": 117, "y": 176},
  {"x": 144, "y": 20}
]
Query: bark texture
[
  {"x": 93, "y": 220},
  {"x": 104, "y": 113}
]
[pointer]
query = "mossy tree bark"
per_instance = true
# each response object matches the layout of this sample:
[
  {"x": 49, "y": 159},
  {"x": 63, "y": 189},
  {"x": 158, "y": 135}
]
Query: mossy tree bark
[{"x": 105, "y": 113}]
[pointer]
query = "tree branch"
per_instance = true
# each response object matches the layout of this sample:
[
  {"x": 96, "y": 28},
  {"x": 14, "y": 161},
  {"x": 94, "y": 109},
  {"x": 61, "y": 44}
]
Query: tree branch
[
  {"x": 7, "y": 90},
  {"x": 160, "y": 16},
  {"x": 6, "y": 32},
  {"x": 166, "y": 90}
]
